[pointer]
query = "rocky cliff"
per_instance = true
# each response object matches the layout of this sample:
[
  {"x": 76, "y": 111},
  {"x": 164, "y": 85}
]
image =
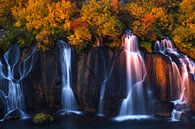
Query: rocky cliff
[{"x": 42, "y": 87}]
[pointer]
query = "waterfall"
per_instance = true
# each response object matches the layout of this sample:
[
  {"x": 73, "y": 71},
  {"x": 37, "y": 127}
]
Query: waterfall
[
  {"x": 107, "y": 75},
  {"x": 68, "y": 99},
  {"x": 103, "y": 87},
  {"x": 179, "y": 77},
  {"x": 133, "y": 106},
  {"x": 13, "y": 93}
]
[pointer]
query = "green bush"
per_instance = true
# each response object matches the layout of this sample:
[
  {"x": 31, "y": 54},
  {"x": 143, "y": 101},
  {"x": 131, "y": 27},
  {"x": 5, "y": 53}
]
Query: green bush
[{"x": 41, "y": 119}]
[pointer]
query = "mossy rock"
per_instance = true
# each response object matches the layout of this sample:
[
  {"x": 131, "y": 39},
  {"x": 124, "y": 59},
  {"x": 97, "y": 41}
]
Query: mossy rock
[{"x": 42, "y": 119}]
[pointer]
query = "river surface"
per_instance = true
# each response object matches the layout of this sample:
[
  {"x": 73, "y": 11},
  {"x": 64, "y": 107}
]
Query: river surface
[{"x": 99, "y": 124}]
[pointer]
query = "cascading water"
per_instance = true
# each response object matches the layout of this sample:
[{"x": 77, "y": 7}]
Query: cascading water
[
  {"x": 133, "y": 106},
  {"x": 68, "y": 99},
  {"x": 179, "y": 78},
  {"x": 107, "y": 75},
  {"x": 13, "y": 93},
  {"x": 103, "y": 87}
]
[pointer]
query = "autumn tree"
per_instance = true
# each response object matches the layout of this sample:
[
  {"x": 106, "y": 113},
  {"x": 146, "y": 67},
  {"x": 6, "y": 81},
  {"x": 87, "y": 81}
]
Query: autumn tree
[
  {"x": 81, "y": 33},
  {"x": 12, "y": 34},
  {"x": 101, "y": 20},
  {"x": 88, "y": 22},
  {"x": 46, "y": 19},
  {"x": 184, "y": 32},
  {"x": 149, "y": 21}
]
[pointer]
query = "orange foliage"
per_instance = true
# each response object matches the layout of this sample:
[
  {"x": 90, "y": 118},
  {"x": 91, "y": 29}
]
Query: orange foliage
[
  {"x": 78, "y": 23},
  {"x": 147, "y": 20}
]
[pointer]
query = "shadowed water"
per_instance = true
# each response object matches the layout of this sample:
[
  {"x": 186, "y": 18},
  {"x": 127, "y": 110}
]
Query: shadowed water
[
  {"x": 107, "y": 75},
  {"x": 100, "y": 124}
]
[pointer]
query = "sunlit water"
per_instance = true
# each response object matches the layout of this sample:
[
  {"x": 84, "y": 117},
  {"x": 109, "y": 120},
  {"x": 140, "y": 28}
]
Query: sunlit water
[
  {"x": 179, "y": 75},
  {"x": 134, "y": 104}
]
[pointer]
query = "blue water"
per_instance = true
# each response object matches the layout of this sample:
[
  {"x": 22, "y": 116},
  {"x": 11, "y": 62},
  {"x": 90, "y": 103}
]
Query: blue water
[{"x": 99, "y": 124}]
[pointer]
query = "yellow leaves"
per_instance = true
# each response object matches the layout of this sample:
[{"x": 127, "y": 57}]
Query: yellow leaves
[
  {"x": 187, "y": 6},
  {"x": 18, "y": 24},
  {"x": 149, "y": 20},
  {"x": 136, "y": 10},
  {"x": 192, "y": 28},
  {"x": 45, "y": 17},
  {"x": 161, "y": 16},
  {"x": 61, "y": 12},
  {"x": 67, "y": 25},
  {"x": 158, "y": 12},
  {"x": 43, "y": 40},
  {"x": 81, "y": 35},
  {"x": 115, "y": 5},
  {"x": 100, "y": 18},
  {"x": 177, "y": 39},
  {"x": 184, "y": 33}
]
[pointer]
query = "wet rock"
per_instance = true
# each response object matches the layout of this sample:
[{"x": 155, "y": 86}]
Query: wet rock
[
  {"x": 192, "y": 93},
  {"x": 42, "y": 87},
  {"x": 180, "y": 107},
  {"x": 186, "y": 116},
  {"x": 91, "y": 68},
  {"x": 2, "y": 108},
  {"x": 164, "y": 115},
  {"x": 116, "y": 86},
  {"x": 163, "y": 109},
  {"x": 158, "y": 71},
  {"x": 15, "y": 114},
  {"x": 158, "y": 83}
]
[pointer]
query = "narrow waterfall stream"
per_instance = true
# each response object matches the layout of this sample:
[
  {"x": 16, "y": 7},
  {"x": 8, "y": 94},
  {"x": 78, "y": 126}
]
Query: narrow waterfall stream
[
  {"x": 69, "y": 104},
  {"x": 107, "y": 74},
  {"x": 103, "y": 87}
]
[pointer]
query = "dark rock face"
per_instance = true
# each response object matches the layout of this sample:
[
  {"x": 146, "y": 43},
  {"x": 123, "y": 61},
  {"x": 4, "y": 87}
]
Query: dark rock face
[
  {"x": 116, "y": 86},
  {"x": 157, "y": 82},
  {"x": 42, "y": 87},
  {"x": 186, "y": 116},
  {"x": 2, "y": 107},
  {"x": 192, "y": 93},
  {"x": 91, "y": 69},
  {"x": 163, "y": 87},
  {"x": 1, "y": 52},
  {"x": 158, "y": 76}
]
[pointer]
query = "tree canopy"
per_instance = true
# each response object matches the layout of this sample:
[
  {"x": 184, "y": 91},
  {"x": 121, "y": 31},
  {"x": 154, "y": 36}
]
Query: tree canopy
[{"x": 86, "y": 22}]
